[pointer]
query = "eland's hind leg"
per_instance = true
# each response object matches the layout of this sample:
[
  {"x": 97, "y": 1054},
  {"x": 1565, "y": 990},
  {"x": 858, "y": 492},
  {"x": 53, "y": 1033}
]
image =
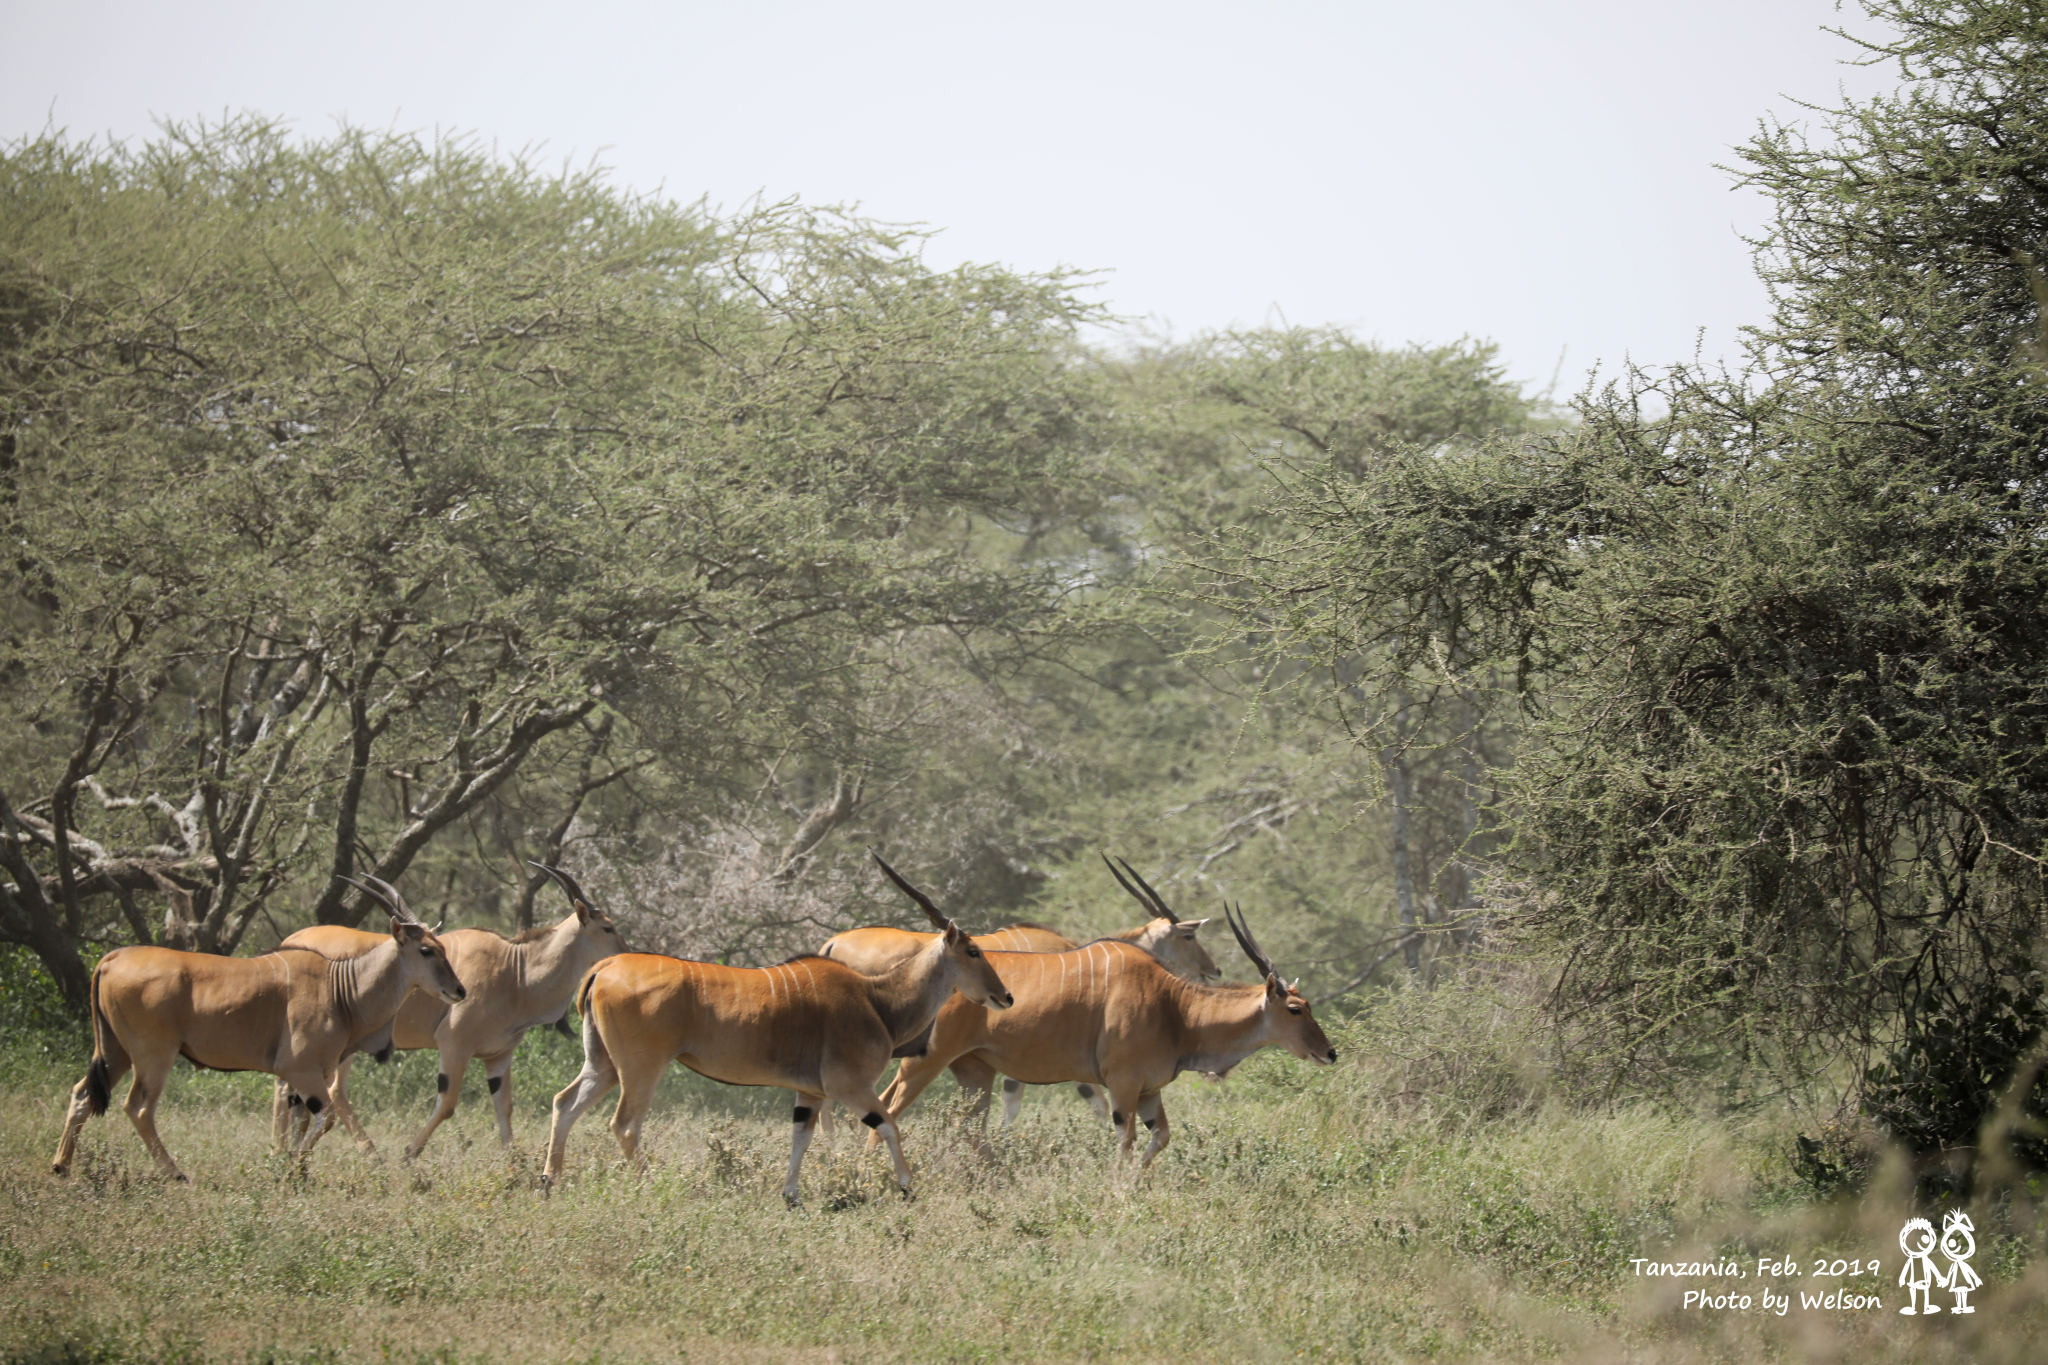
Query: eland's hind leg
[
  {"x": 89, "y": 1097},
  {"x": 598, "y": 1076},
  {"x": 141, "y": 1106},
  {"x": 636, "y": 1097}
]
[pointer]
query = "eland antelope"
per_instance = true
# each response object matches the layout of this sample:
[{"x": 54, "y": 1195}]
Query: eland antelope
[
  {"x": 810, "y": 1025},
  {"x": 1166, "y": 936},
  {"x": 292, "y": 1012},
  {"x": 514, "y": 985},
  {"x": 1111, "y": 1015}
]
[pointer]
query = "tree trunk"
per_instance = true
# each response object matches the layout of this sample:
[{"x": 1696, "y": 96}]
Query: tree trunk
[{"x": 27, "y": 918}]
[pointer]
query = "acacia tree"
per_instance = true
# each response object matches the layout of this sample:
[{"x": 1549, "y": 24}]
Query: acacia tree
[
  {"x": 346, "y": 479},
  {"x": 1341, "y": 423},
  {"x": 1780, "y": 634}
]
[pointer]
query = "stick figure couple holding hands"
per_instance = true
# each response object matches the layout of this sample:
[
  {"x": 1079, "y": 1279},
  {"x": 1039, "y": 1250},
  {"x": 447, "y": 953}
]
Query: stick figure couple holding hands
[{"x": 1920, "y": 1276}]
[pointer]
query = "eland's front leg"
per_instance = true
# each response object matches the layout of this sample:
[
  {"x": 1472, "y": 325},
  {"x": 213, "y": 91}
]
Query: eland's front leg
[
  {"x": 804, "y": 1120},
  {"x": 448, "y": 1093}
]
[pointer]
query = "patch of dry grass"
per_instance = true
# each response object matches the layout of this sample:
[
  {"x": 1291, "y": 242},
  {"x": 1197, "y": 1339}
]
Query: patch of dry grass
[{"x": 1299, "y": 1215}]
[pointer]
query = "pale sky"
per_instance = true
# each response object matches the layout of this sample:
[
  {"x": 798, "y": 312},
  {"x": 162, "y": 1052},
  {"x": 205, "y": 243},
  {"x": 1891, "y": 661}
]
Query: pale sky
[{"x": 1538, "y": 172}]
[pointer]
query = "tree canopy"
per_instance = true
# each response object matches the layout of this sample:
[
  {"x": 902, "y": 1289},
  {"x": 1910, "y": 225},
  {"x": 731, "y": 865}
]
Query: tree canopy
[{"x": 1775, "y": 636}]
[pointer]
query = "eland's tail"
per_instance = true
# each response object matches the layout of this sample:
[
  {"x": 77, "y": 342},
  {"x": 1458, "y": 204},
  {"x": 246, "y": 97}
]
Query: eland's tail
[{"x": 99, "y": 1083}]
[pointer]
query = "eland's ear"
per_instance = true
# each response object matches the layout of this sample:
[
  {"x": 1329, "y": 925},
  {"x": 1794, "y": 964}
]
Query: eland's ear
[
  {"x": 397, "y": 927},
  {"x": 953, "y": 932},
  {"x": 1274, "y": 988},
  {"x": 582, "y": 912}
]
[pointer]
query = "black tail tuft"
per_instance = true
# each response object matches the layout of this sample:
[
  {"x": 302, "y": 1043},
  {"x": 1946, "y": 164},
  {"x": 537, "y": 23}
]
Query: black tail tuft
[
  {"x": 99, "y": 1087},
  {"x": 99, "y": 1079}
]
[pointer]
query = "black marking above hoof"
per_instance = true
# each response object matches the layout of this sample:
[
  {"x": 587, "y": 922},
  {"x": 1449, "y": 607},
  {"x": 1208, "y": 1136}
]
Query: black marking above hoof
[
  {"x": 873, "y": 1120},
  {"x": 801, "y": 1114},
  {"x": 441, "y": 1083},
  {"x": 496, "y": 1082},
  {"x": 1152, "y": 1124},
  {"x": 1116, "y": 1118},
  {"x": 313, "y": 1105}
]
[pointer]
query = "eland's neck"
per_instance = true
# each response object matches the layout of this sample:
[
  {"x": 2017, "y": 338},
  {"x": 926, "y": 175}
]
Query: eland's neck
[
  {"x": 553, "y": 965},
  {"x": 368, "y": 989},
  {"x": 1221, "y": 1025},
  {"x": 909, "y": 994}
]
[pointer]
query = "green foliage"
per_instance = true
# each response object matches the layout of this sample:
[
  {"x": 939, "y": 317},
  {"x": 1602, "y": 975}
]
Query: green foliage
[
  {"x": 354, "y": 479},
  {"x": 39, "y": 1036},
  {"x": 1322, "y": 1216},
  {"x": 1952, "y": 1069},
  {"x": 1776, "y": 638}
]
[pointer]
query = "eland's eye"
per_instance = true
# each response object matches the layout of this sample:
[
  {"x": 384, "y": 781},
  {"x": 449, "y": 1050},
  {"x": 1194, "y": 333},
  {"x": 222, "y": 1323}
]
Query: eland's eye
[
  {"x": 1294, "y": 1009},
  {"x": 426, "y": 952},
  {"x": 973, "y": 951}
]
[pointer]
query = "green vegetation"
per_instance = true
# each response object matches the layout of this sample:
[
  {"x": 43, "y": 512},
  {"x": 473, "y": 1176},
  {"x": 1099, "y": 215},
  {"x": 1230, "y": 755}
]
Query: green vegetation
[
  {"x": 1772, "y": 640},
  {"x": 1654, "y": 791},
  {"x": 1320, "y": 1216}
]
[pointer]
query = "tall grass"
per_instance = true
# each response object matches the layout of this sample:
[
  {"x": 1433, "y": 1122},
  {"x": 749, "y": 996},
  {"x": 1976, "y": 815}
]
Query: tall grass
[{"x": 1299, "y": 1215}]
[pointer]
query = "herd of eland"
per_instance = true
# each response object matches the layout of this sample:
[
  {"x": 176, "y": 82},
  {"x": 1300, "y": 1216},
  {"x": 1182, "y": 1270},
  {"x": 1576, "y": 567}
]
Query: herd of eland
[{"x": 1121, "y": 1016}]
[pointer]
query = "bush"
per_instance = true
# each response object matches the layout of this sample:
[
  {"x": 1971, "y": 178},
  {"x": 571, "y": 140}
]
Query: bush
[
  {"x": 1946, "y": 1076},
  {"x": 37, "y": 1034}
]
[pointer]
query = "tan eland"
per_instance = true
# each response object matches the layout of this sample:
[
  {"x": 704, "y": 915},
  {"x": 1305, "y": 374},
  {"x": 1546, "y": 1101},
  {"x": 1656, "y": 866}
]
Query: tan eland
[
  {"x": 810, "y": 1025},
  {"x": 514, "y": 985},
  {"x": 1111, "y": 1015},
  {"x": 1166, "y": 936},
  {"x": 291, "y": 1012}
]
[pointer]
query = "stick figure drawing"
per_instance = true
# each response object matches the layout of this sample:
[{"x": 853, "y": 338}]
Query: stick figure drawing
[
  {"x": 1917, "y": 1240},
  {"x": 1959, "y": 1244}
]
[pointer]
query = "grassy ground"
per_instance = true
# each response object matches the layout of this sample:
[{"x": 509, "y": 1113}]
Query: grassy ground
[{"x": 1298, "y": 1215}]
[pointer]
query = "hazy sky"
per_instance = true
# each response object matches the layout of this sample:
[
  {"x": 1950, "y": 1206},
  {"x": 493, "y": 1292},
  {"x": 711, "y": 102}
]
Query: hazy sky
[{"x": 1540, "y": 172}]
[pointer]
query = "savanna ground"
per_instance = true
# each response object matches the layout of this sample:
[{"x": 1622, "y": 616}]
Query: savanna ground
[{"x": 1298, "y": 1215}]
